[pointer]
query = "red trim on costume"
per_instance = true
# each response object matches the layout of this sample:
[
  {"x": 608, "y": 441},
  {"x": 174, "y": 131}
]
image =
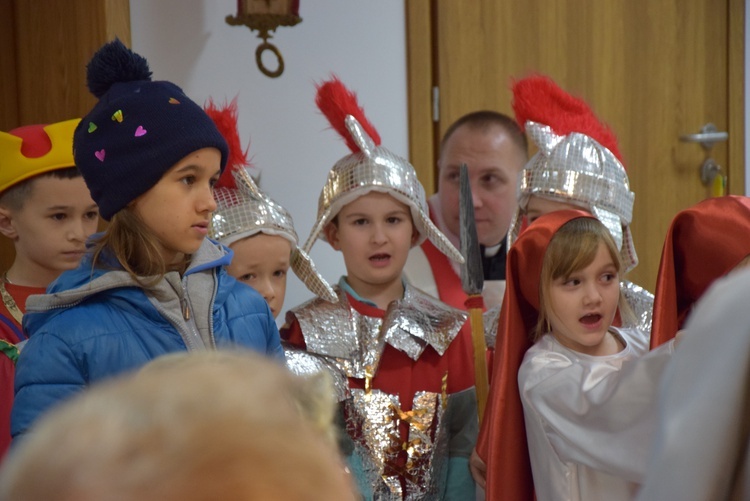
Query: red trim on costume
[
  {"x": 447, "y": 281},
  {"x": 474, "y": 302}
]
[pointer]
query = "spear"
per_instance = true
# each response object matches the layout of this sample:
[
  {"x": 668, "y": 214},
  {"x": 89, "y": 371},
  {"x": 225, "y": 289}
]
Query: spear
[{"x": 472, "y": 282}]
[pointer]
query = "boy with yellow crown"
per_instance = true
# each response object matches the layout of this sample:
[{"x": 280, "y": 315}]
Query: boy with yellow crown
[
  {"x": 409, "y": 406},
  {"x": 47, "y": 212}
]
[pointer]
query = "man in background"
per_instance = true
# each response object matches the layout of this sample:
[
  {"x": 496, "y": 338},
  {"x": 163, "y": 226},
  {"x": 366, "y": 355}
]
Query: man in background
[{"x": 495, "y": 150}]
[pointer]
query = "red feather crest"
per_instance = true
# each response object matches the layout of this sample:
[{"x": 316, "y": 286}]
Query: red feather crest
[
  {"x": 225, "y": 118},
  {"x": 336, "y": 102},
  {"x": 539, "y": 99}
]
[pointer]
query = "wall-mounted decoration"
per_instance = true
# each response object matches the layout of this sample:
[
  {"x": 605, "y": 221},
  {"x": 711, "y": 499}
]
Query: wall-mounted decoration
[{"x": 265, "y": 16}]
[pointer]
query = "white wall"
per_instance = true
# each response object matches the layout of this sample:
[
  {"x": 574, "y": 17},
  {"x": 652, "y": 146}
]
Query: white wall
[{"x": 363, "y": 42}]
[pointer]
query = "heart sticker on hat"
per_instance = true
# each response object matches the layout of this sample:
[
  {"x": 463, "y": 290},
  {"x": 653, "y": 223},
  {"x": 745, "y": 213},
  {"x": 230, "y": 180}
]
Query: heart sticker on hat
[
  {"x": 173, "y": 101},
  {"x": 140, "y": 131},
  {"x": 117, "y": 116},
  {"x": 92, "y": 127},
  {"x": 100, "y": 155}
]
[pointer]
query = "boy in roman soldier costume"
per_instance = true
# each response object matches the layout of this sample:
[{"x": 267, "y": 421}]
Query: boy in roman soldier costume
[{"x": 409, "y": 408}]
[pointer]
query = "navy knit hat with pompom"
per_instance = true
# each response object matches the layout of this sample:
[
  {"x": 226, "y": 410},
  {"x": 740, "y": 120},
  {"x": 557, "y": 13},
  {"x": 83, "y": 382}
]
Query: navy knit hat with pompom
[{"x": 137, "y": 131}]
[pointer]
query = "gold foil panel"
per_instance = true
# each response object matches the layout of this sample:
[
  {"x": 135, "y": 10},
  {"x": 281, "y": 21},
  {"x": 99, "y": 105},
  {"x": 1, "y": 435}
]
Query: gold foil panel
[{"x": 412, "y": 469}]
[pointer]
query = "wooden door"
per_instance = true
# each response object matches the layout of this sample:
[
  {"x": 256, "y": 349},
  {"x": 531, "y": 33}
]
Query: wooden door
[
  {"x": 45, "y": 45},
  {"x": 652, "y": 70}
]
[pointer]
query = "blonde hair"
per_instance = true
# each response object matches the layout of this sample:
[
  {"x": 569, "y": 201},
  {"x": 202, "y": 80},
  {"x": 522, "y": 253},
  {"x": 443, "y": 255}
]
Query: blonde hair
[
  {"x": 188, "y": 427},
  {"x": 571, "y": 249},
  {"x": 136, "y": 248}
]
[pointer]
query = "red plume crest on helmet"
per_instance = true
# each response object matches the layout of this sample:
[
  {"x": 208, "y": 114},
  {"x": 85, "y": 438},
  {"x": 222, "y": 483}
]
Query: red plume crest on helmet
[
  {"x": 225, "y": 118},
  {"x": 539, "y": 99},
  {"x": 336, "y": 102}
]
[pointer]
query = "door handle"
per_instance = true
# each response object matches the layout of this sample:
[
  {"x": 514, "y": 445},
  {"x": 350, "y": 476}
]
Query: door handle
[{"x": 707, "y": 137}]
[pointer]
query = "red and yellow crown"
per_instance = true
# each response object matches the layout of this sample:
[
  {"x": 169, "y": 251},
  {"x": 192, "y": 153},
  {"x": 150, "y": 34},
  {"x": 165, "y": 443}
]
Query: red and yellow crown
[{"x": 31, "y": 150}]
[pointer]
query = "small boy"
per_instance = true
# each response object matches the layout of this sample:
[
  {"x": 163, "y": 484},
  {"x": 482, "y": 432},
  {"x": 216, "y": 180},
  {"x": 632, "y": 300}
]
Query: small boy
[
  {"x": 259, "y": 231},
  {"x": 409, "y": 410},
  {"x": 47, "y": 212}
]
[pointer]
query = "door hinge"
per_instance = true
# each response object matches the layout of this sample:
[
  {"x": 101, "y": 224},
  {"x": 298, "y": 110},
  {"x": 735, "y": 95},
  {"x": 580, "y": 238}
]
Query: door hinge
[{"x": 435, "y": 104}]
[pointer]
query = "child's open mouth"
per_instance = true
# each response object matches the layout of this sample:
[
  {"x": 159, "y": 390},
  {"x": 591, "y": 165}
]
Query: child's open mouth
[
  {"x": 590, "y": 319},
  {"x": 380, "y": 258}
]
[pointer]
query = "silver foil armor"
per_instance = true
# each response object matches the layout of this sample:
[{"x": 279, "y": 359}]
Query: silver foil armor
[
  {"x": 577, "y": 169},
  {"x": 375, "y": 168},
  {"x": 374, "y": 418},
  {"x": 355, "y": 342},
  {"x": 247, "y": 211}
]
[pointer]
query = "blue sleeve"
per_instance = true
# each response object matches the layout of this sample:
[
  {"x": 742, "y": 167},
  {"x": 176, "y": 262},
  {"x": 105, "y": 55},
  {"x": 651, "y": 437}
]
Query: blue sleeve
[
  {"x": 249, "y": 322},
  {"x": 47, "y": 372},
  {"x": 459, "y": 485},
  {"x": 463, "y": 428}
]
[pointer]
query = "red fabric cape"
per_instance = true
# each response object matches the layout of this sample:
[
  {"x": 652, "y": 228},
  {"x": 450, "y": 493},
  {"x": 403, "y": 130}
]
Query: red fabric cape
[{"x": 703, "y": 243}]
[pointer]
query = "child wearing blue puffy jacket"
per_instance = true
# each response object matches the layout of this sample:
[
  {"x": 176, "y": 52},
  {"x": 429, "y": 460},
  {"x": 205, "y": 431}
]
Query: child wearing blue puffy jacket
[{"x": 152, "y": 283}]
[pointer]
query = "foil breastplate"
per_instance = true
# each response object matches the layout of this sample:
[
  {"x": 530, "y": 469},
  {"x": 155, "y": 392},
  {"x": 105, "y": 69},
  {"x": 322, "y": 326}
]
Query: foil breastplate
[
  {"x": 354, "y": 342},
  {"x": 397, "y": 470}
]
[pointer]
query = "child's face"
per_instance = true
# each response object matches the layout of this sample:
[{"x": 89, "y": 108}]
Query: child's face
[
  {"x": 177, "y": 208},
  {"x": 583, "y": 305},
  {"x": 539, "y": 206},
  {"x": 50, "y": 228},
  {"x": 374, "y": 233},
  {"x": 262, "y": 262}
]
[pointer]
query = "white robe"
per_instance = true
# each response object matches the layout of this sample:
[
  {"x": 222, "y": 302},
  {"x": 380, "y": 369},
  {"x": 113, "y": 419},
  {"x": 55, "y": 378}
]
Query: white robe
[
  {"x": 589, "y": 420},
  {"x": 701, "y": 449}
]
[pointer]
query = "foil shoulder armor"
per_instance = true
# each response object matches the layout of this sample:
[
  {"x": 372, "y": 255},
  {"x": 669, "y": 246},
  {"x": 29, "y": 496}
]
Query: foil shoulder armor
[
  {"x": 641, "y": 302},
  {"x": 419, "y": 320},
  {"x": 309, "y": 365},
  {"x": 355, "y": 342},
  {"x": 491, "y": 319}
]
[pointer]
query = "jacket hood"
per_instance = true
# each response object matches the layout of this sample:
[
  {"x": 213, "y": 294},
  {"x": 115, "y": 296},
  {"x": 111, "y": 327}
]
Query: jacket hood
[{"x": 84, "y": 282}]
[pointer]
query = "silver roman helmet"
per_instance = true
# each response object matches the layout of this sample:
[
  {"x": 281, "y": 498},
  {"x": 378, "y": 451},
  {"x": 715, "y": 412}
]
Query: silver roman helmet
[
  {"x": 370, "y": 168},
  {"x": 247, "y": 211},
  {"x": 572, "y": 166},
  {"x": 243, "y": 210}
]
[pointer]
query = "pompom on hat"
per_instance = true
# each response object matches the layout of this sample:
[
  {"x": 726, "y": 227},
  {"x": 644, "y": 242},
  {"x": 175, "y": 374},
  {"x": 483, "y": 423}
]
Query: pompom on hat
[
  {"x": 243, "y": 210},
  {"x": 137, "y": 131},
  {"x": 32, "y": 150},
  {"x": 370, "y": 167},
  {"x": 578, "y": 161}
]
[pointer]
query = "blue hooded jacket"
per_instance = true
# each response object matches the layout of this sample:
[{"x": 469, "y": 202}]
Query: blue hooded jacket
[{"x": 95, "y": 324}]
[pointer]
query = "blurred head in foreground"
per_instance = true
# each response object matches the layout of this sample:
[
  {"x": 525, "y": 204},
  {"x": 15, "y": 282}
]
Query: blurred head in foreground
[{"x": 198, "y": 426}]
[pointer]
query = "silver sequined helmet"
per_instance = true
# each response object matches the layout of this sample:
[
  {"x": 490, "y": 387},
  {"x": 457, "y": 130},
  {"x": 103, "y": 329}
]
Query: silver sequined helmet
[
  {"x": 374, "y": 168},
  {"x": 247, "y": 211},
  {"x": 576, "y": 169},
  {"x": 575, "y": 166}
]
